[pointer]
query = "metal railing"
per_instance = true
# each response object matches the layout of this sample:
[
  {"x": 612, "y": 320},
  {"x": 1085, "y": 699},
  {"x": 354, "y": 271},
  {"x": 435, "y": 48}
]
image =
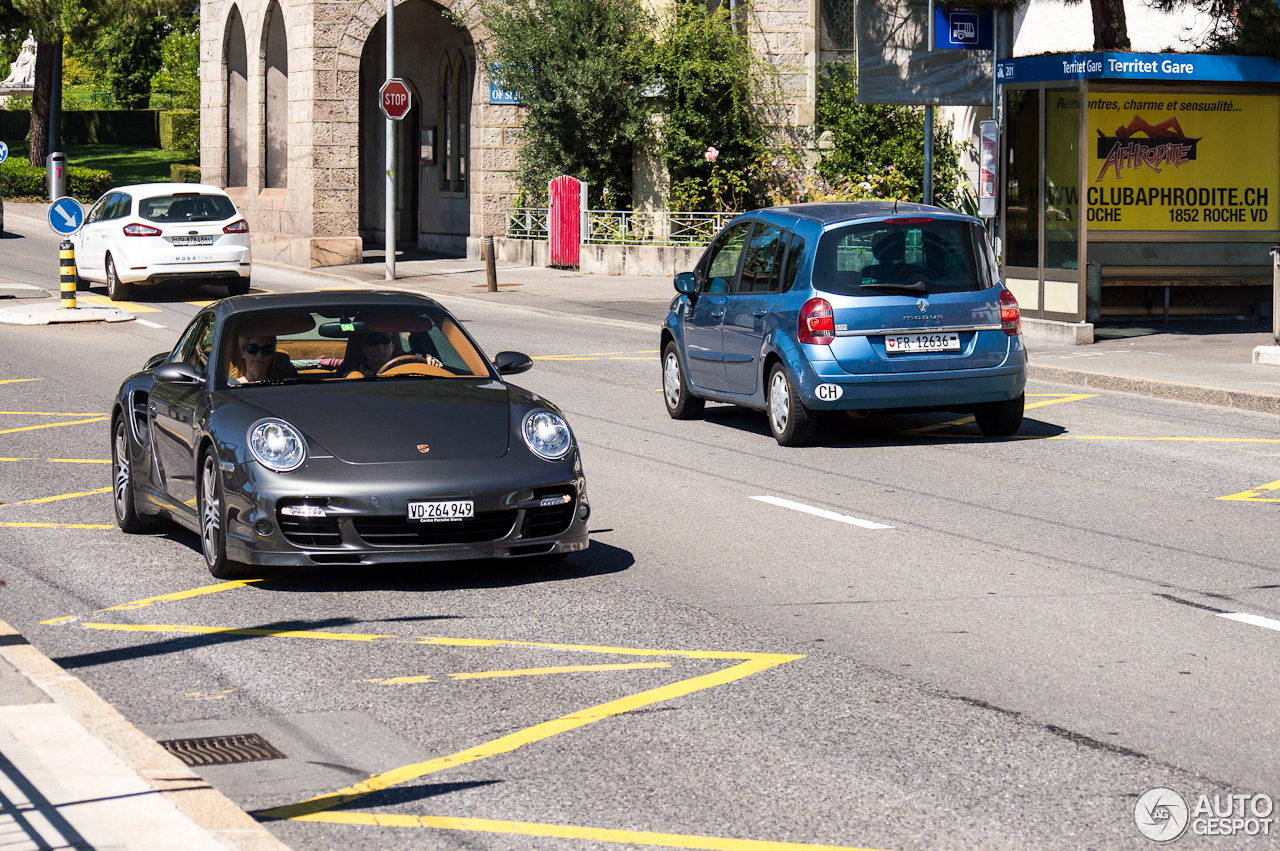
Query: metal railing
[
  {"x": 626, "y": 227},
  {"x": 527, "y": 223}
]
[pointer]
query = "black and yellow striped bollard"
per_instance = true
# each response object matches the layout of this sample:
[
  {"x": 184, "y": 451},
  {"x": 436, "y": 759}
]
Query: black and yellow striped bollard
[{"x": 67, "y": 262}]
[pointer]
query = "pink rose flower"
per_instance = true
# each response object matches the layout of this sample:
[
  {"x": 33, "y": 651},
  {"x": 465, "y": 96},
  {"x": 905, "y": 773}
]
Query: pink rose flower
[{"x": 711, "y": 154}]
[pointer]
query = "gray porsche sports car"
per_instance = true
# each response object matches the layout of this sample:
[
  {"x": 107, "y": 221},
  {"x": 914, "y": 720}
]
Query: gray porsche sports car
[{"x": 343, "y": 428}]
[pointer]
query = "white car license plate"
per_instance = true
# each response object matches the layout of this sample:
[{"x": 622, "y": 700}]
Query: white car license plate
[
  {"x": 897, "y": 344},
  {"x": 435, "y": 512},
  {"x": 193, "y": 240}
]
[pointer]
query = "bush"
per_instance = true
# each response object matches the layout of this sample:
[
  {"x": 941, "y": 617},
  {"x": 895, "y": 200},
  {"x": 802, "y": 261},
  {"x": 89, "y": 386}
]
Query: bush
[
  {"x": 19, "y": 179},
  {"x": 180, "y": 131},
  {"x": 184, "y": 173}
]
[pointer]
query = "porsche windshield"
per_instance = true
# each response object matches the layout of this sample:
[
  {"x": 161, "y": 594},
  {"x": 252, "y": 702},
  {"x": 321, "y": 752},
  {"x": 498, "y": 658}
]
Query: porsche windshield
[
  {"x": 906, "y": 255},
  {"x": 351, "y": 343}
]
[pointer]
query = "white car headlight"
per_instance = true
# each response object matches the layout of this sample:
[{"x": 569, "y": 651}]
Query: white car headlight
[
  {"x": 547, "y": 434},
  {"x": 277, "y": 445}
]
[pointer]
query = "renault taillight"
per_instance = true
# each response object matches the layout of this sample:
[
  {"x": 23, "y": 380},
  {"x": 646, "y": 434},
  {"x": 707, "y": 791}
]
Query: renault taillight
[
  {"x": 817, "y": 322},
  {"x": 1009, "y": 314}
]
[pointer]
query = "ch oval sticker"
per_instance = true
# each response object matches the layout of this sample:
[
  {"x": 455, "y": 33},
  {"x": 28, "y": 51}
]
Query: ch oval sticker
[{"x": 829, "y": 392}]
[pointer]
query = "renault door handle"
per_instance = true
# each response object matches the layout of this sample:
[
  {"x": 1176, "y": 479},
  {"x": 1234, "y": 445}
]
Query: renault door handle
[
  {"x": 717, "y": 314},
  {"x": 758, "y": 313}
]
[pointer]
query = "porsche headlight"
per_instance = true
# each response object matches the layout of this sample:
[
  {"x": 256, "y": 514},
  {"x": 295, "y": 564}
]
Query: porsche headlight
[
  {"x": 277, "y": 445},
  {"x": 547, "y": 434}
]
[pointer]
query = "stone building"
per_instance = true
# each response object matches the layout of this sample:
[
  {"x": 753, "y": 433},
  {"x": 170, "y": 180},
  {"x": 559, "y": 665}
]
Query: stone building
[{"x": 290, "y": 123}]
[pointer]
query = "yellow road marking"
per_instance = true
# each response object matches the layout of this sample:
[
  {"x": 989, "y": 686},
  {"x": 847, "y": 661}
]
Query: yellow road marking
[
  {"x": 18, "y": 380},
  {"x": 524, "y": 672},
  {"x": 1058, "y": 399},
  {"x": 590, "y": 648},
  {"x": 59, "y": 525},
  {"x": 51, "y": 425},
  {"x": 568, "y": 669},
  {"x": 558, "y": 357},
  {"x": 56, "y": 498},
  {"x": 47, "y": 414},
  {"x": 635, "y": 358},
  {"x": 181, "y": 595},
  {"x": 564, "y": 831},
  {"x": 130, "y": 306},
  {"x": 1255, "y": 495},
  {"x": 753, "y": 663},
  {"x": 201, "y": 303},
  {"x": 58, "y": 620},
  {"x": 218, "y": 630},
  {"x": 1183, "y": 439}
]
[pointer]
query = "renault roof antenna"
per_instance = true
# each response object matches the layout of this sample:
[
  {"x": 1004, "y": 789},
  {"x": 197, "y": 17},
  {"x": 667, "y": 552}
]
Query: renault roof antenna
[{"x": 895, "y": 206}]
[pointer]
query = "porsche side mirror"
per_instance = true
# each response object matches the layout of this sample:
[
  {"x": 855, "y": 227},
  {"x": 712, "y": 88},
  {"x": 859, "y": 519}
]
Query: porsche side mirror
[
  {"x": 510, "y": 363},
  {"x": 686, "y": 283},
  {"x": 155, "y": 360},
  {"x": 178, "y": 373}
]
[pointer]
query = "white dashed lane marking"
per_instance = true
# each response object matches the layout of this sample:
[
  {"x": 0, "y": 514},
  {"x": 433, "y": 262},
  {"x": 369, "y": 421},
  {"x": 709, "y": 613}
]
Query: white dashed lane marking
[{"x": 820, "y": 512}]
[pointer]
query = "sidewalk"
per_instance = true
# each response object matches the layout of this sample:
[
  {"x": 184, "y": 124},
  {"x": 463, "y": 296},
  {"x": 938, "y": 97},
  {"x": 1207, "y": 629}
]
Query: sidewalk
[
  {"x": 75, "y": 774},
  {"x": 1206, "y": 362}
]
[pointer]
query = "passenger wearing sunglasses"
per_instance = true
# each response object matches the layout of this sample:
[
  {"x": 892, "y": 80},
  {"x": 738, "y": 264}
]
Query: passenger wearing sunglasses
[{"x": 258, "y": 360}]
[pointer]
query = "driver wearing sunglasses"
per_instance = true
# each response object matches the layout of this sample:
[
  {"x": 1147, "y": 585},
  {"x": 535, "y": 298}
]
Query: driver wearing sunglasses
[{"x": 259, "y": 360}]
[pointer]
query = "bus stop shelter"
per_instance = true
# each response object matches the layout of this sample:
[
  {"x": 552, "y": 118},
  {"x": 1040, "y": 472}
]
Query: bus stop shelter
[{"x": 1159, "y": 171}]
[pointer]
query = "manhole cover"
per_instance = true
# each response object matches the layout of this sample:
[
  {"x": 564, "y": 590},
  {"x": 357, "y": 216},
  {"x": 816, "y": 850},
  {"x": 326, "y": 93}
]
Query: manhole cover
[{"x": 222, "y": 750}]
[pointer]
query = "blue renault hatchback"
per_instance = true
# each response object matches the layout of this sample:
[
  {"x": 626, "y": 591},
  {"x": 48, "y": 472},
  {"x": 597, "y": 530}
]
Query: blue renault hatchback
[{"x": 860, "y": 307}]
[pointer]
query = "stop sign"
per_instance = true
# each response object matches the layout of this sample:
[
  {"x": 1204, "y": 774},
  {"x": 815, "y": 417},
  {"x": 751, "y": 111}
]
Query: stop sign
[{"x": 395, "y": 99}]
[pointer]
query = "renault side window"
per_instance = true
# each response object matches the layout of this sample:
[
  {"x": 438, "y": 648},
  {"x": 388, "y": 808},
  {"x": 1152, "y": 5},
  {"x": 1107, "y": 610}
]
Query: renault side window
[
  {"x": 763, "y": 258},
  {"x": 722, "y": 271},
  {"x": 795, "y": 253},
  {"x": 100, "y": 208},
  {"x": 120, "y": 208}
]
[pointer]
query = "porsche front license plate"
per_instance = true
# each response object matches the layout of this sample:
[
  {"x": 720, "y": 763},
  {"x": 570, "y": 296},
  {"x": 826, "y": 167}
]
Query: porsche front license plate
[
  {"x": 922, "y": 343},
  {"x": 193, "y": 240},
  {"x": 435, "y": 512}
]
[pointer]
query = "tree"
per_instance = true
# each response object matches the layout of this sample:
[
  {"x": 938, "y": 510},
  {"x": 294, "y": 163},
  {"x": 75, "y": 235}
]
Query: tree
[
  {"x": 1242, "y": 27},
  {"x": 714, "y": 102},
  {"x": 882, "y": 145},
  {"x": 579, "y": 68},
  {"x": 1110, "y": 26}
]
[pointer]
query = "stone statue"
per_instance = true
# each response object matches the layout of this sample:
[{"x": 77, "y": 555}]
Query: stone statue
[{"x": 22, "y": 73}]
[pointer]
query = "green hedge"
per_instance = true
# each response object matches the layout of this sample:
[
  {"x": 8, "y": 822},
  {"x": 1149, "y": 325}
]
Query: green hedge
[
  {"x": 175, "y": 124},
  {"x": 19, "y": 179},
  {"x": 184, "y": 173}
]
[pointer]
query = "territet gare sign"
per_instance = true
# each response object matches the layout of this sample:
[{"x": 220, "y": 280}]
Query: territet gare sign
[{"x": 1138, "y": 66}]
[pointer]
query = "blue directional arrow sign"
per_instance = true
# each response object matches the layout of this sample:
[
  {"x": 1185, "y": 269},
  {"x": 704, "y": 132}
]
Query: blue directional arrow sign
[
  {"x": 4, "y": 152},
  {"x": 66, "y": 216}
]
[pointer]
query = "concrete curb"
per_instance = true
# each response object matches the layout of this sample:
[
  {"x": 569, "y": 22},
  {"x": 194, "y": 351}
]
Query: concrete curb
[
  {"x": 190, "y": 794},
  {"x": 1241, "y": 399},
  {"x": 51, "y": 313},
  {"x": 462, "y": 299}
]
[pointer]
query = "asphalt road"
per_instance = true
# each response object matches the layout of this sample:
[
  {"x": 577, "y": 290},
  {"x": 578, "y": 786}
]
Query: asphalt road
[{"x": 1049, "y": 626}]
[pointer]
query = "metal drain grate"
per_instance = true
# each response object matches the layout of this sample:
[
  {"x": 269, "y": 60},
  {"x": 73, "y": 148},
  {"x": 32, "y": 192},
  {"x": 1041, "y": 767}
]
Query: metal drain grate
[{"x": 222, "y": 750}]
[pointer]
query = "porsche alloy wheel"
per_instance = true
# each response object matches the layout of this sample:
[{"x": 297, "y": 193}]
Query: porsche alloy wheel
[
  {"x": 127, "y": 516},
  {"x": 213, "y": 541}
]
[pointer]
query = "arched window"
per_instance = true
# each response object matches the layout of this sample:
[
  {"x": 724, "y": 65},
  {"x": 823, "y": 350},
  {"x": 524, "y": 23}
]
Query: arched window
[
  {"x": 462, "y": 120},
  {"x": 276, "y": 108},
  {"x": 447, "y": 143},
  {"x": 236, "y": 57}
]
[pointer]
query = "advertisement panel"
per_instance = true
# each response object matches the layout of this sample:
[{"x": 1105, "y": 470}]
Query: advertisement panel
[{"x": 1178, "y": 162}]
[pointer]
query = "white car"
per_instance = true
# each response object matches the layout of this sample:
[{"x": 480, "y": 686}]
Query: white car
[{"x": 157, "y": 233}]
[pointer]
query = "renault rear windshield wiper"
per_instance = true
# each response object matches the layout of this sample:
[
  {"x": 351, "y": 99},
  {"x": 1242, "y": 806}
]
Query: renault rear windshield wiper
[{"x": 917, "y": 287}]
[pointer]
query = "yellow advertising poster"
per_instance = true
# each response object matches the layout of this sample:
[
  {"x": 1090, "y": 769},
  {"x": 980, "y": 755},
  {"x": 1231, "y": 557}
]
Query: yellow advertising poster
[{"x": 1183, "y": 162}]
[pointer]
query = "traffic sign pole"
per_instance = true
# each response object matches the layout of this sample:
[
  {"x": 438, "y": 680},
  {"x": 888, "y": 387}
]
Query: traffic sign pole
[
  {"x": 391, "y": 145},
  {"x": 67, "y": 262}
]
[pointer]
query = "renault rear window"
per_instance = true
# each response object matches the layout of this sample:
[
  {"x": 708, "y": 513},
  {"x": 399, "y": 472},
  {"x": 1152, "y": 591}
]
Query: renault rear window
[
  {"x": 907, "y": 255},
  {"x": 186, "y": 207}
]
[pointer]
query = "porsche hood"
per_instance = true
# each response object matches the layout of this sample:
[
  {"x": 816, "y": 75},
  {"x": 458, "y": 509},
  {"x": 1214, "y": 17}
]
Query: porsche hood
[{"x": 378, "y": 422}]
